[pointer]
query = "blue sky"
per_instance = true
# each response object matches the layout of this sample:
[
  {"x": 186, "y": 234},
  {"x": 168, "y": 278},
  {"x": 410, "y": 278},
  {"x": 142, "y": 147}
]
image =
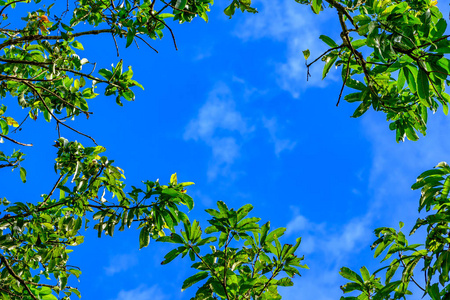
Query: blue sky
[{"x": 233, "y": 112}]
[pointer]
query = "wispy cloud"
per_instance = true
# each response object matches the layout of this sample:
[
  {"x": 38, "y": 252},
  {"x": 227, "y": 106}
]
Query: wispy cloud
[
  {"x": 220, "y": 125},
  {"x": 119, "y": 263},
  {"x": 395, "y": 166},
  {"x": 335, "y": 242},
  {"x": 142, "y": 293},
  {"x": 327, "y": 247},
  {"x": 280, "y": 144},
  {"x": 291, "y": 23}
]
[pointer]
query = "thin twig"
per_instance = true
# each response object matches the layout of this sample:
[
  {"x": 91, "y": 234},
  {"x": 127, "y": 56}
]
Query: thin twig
[
  {"x": 14, "y": 141},
  {"x": 323, "y": 54},
  {"x": 8, "y": 165},
  {"x": 87, "y": 113},
  {"x": 56, "y": 119},
  {"x": 115, "y": 43},
  {"x": 411, "y": 277},
  {"x": 137, "y": 45},
  {"x": 19, "y": 79},
  {"x": 147, "y": 43},
  {"x": 39, "y": 37},
  {"x": 13, "y": 274},
  {"x": 345, "y": 79},
  {"x": 179, "y": 9},
  {"x": 8, "y": 4},
  {"x": 88, "y": 76},
  {"x": 171, "y": 32},
  {"x": 21, "y": 123},
  {"x": 25, "y": 62},
  {"x": 58, "y": 129},
  {"x": 51, "y": 192}
]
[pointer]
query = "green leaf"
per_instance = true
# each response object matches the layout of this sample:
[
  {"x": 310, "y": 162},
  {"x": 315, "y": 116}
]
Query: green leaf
[
  {"x": 365, "y": 273},
  {"x": 275, "y": 234},
  {"x": 173, "y": 179},
  {"x": 243, "y": 211},
  {"x": 206, "y": 241},
  {"x": 194, "y": 279},
  {"x": 77, "y": 45},
  {"x": 107, "y": 74},
  {"x": 445, "y": 188},
  {"x": 180, "y": 4},
  {"x": 433, "y": 291},
  {"x": 130, "y": 37},
  {"x": 358, "y": 43},
  {"x": 222, "y": 239},
  {"x": 411, "y": 74},
  {"x": 423, "y": 86},
  {"x": 328, "y": 64},
  {"x": 401, "y": 80},
  {"x": 285, "y": 282},
  {"x": 218, "y": 289},
  {"x": 23, "y": 174},
  {"x": 350, "y": 275},
  {"x": 327, "y": 40},
  {"x": 264, "y": 230},
  {"x": 65, "y": 27},
  {"x": 172, "y": 255},
  {"x": 306, "y": 53},
  {"x": 361, "y": 109},
  {"x": 316, "y": 6},
  {"x": 187, "y": 200},
  {"x": 4, "y": 126},
  {"x": 144, "y": 237},
  {"x": 391, "y": 270}
]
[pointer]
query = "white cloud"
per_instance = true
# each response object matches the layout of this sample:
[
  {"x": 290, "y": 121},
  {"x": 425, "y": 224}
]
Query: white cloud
[
  {"x": 297, "y": 224},
  {"x": 335, "y": 242},
  {"x": 395, "y": 166},
  {"x": 280, "y": 144},
  {"x": 142, "y": 293},
  {"x": 327, "y": 247},
  {"x": 352, "y": 237},
  {"x": 219, "y": 125},
  {"x": 119, "y": 263},
  {"x": 295, "y": 25},
  {"x": 394, "y": 169},
  {"x": 219, "y": 112}
]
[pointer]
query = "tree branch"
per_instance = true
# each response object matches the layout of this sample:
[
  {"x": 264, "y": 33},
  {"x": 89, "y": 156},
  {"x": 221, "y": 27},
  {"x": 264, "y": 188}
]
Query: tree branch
[
  {"x": 51, "y": 192},
  {"x": 14, "y": 141},
  {"x": 53, "y": 115},
  {"x": 87, "y": 113},
  {"x": 345, "y": 79},
  {"x": 8, "y": 165},
  {"x": 8, "y": 4},
  {"x": 40, "y": 37},
  {"x": 13, "y": 274}
]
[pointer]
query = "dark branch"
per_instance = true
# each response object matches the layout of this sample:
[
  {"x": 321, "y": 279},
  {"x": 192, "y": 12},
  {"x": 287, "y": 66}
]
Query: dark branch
[
  {"x": 14, "y": 141},
  {"x": 56, "y": 119},
  {"x": 13, "y": 274}
]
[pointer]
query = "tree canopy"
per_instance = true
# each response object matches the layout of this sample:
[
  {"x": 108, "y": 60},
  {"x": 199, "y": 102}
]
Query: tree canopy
[{"x": 393, "y": 57}]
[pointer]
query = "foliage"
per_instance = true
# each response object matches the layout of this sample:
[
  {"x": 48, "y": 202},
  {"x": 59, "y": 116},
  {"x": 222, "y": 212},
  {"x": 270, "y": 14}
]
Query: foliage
[
  {"x": 42, "y": 68},
  {"x": 251, "y": 272},
  {"x": 432, "y": 255},
  {"x": 392, "y": 55},
  {"x": 398, "y": 49}
]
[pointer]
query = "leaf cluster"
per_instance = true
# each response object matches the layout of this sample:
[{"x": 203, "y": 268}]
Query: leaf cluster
[
  {"x": 432, "y": 256},
  {"x": 393, "y": 54},
  {"x": 248, "y": 261}
]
